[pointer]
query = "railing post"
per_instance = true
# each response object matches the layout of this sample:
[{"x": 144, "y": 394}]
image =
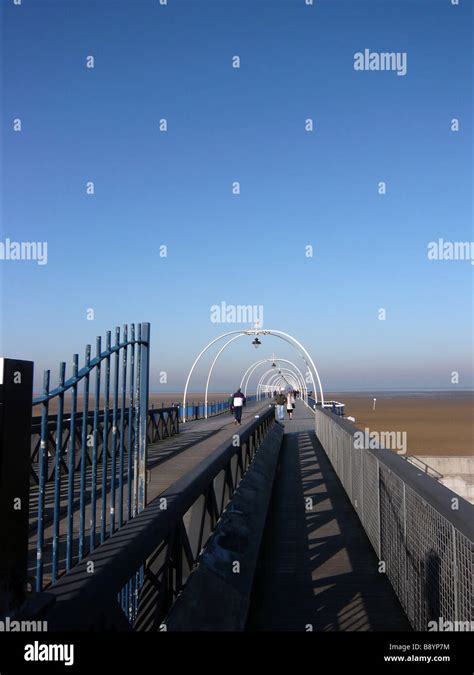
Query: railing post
[
  {"x": 16, "y": 395},
  {"x": 142, "y": 423}
]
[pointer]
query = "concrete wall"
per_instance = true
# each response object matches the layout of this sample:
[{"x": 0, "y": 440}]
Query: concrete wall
[{"x": 457, "y": 472}]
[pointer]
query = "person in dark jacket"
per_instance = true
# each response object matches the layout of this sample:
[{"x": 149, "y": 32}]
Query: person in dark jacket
[
  {"x": 280, "y": 402},
  {"x": 238, "y": 402}
]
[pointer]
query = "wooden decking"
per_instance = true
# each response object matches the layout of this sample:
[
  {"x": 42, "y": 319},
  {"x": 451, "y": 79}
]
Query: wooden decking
[{"x": 317, "y": 569}]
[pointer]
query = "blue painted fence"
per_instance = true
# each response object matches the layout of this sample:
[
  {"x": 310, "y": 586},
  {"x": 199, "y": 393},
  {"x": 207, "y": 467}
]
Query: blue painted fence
[
  {"x": 88, "y": 466},
  {"x": 88, "y": 456}
]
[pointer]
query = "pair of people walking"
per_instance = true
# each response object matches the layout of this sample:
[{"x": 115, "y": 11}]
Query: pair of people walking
[{"x": 283, "y": 401}]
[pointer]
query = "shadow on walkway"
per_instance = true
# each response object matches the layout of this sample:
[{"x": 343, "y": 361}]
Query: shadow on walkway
[{"x": 317, "y": 568}]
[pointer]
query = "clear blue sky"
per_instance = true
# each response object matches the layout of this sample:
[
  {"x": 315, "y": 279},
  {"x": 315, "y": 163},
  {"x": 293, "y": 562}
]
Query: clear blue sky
[{"x": 246, "y": 125}]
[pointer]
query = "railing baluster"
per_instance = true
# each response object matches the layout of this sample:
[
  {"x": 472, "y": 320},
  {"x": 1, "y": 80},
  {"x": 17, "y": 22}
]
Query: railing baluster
[
  {"x": 105, "y": 440},
  {"x": 82, "y": 494},
  {"x": 122, "y": 427},
  {"x": 57, "y": 475},
  {"x": 71, "y": 467},
  {"x": 42, "y": 473},
  {"x": 113, "y": 469},
  {"x": 130, "y": 423},
  {"x": 136, "y": 423},
  {"x": 93, "y": 519}
]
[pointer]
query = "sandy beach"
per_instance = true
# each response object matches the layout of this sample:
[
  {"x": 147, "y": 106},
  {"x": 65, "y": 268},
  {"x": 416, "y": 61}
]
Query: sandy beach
[{"x": 436, "y": 423}]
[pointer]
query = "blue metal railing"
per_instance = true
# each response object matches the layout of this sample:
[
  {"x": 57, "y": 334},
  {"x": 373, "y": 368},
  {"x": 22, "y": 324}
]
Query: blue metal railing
[
  {"x": 196, "y": 411},
  {"x": 147, "y": 567},
  {"x": 98, "y": 446},
  {"x": 85, "y": 456}
]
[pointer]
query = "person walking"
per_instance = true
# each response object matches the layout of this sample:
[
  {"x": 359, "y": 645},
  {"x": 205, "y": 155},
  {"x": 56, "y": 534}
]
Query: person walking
[
  {"x": 238, "y": 402},
  {"x": 280, "y": 402},
  {"x": 290, "y": 404}
]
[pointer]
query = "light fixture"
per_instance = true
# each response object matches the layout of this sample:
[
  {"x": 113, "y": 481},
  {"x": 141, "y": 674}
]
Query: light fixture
[{"x": 256, "y": 343}]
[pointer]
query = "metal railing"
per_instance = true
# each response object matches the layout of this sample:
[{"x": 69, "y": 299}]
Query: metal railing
[
  {"x": 161, "y": 423},
  {"x": 138, "y": 574},
  {"x": 88, "y": 467},
  {"x": 197, "y": 411},
  {"x": 420, "y": 529}
]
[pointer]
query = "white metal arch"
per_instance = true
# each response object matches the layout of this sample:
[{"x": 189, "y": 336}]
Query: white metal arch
[
  {"x": 289, "y": 378},
  {"x": 259, "y": 363},
  {"x": 295, "y": 381},
  {"x": 255, "y": 365},
  {"x": 236, "y": 337},
  {"x": 276, "y": 377},
  {"x": 286, "y": 374},
  {"x": 258, "y": 331},
  {"x": 281, "y": 374},
  {"x": 301, "y": 384}
]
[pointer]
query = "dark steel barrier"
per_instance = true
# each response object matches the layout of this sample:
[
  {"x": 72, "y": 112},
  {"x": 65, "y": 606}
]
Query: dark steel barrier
[{"x": 139, "y": 572}]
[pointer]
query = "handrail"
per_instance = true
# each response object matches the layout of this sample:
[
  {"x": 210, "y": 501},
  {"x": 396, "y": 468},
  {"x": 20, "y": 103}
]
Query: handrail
[
  {"x": 175, "y": 533},
  {"x": 86, "y": 370}
]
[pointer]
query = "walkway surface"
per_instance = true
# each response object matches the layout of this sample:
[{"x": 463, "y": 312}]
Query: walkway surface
[
  {"x": 196, "y": 440},
  {"x": 168, "y": 460},
  {"x": 317, "y": 569}
]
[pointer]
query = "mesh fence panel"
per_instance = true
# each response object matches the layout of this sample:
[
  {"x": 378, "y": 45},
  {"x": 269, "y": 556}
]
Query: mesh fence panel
[
  {"x": 370, "y": 486},
  {"x": 428, "y": 561},
  {"x": 464, "y": 552},
  {"x": 431, "y": 580},
  {"x": 346, "y": 452},
  {"x": 356, "y": 469},
  {"x": 392, "y": 535}
]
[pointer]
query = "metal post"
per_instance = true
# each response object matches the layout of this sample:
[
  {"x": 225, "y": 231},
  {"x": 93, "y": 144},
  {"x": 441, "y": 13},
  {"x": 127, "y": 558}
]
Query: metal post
[
  {"x": 142, "y": 426},
  {"x": 16, "y": 395}
]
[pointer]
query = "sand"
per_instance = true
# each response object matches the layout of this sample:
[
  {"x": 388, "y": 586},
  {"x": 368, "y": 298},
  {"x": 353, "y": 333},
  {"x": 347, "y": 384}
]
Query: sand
[{"x": 436, "y": 423}]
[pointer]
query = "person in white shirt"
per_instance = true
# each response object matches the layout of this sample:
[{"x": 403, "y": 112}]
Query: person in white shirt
[
  {"x": 238, "y": 402},
  {"x": 290, "y": 404}
]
